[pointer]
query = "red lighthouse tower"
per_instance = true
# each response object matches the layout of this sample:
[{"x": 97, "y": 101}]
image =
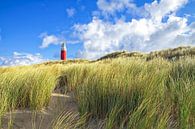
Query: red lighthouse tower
[{"x": 63, "y": 51}]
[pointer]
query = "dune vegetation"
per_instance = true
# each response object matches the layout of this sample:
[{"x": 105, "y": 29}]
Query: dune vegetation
[{"x": 151, "y": 91}]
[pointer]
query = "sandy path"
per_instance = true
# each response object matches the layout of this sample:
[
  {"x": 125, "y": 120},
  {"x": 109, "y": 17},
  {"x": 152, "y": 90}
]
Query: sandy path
[{"x": 26, "y": 119}]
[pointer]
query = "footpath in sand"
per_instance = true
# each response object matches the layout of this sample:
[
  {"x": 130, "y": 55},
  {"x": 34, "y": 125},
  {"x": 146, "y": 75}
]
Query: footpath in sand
[{"x": 26, "y": 119}]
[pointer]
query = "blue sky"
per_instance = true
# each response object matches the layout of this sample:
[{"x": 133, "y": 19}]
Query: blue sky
[
  {"x": 31, "y": 30},
  {"x": 23, "y": 21}
]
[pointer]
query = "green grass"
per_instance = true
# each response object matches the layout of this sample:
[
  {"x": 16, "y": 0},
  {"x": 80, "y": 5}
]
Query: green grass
[
  {"x": 128, "y": 92},
  {"x": 23, "y": 87},
  {"x": 153, "y": 94}
]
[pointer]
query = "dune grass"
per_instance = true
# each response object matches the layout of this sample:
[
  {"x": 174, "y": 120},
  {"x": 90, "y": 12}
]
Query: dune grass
[
  {"x": 123, "y": 92},
  {"x": 26, "y": 87},
  {"x": 135, "y": 93}
]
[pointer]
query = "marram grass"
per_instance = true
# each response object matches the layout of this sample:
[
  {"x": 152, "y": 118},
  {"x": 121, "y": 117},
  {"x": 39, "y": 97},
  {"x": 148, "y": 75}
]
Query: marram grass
[
  {"x": 26, "y": 87},
  {"x": 124, "y": 93},
  {"x": 153, "y": 94}
]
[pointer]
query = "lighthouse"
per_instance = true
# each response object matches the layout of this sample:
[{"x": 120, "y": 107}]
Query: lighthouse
[{"x": 63, "y": 51}]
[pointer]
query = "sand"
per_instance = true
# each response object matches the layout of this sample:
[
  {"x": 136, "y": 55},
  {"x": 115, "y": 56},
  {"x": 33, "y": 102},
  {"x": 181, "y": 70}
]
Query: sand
[{"x": 26, "y": 119}]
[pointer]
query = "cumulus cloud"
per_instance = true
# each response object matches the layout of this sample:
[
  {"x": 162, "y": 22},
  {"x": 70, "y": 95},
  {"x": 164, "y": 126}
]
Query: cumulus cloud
[
  {"x": 21, "y": 59},
  {"x": 147, "y": 33},
  {"x": 70, "y": 12},
  {"x": 112, "y": 8},
  {"x": 48, "y": 40},
  {"x": 164, "y": 7},
  {"x": 114, "y": 5}
]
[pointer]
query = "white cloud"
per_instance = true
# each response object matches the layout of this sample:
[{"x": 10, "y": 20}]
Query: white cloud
[
  {"x": 110, "y": 7},
  {"x": 144, "y": 34},
  {"x": 159, "y": 10},
  {"x": 103, "y": 37},
  {"x": 21, "y": 59},
  {"x": 48, "y": 40},
  {"x": 70, "y": 12},
  {"x": 56, "y": 40}
]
